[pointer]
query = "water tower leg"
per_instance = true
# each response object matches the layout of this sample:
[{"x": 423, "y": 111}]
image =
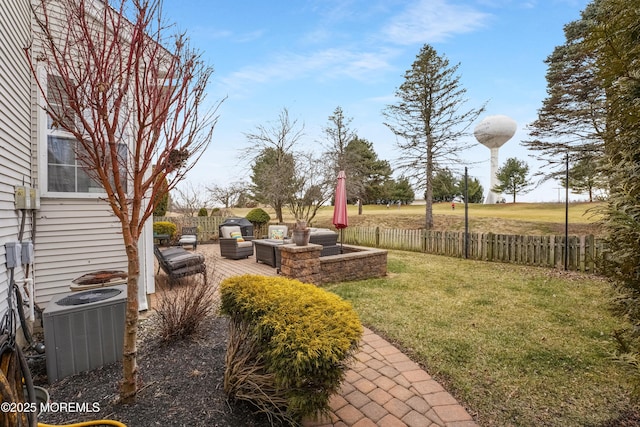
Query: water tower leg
[{"x": 491, "y": 196}]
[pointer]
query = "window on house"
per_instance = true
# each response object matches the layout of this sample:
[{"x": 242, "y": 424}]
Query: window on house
[
  {"x": 65, "y": 173},
  {"x": 59, "y": 101}
]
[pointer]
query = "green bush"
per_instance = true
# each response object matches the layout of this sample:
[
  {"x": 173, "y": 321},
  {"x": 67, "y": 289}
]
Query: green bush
[
  {"x": 216, "y": 212},
  {"x": 161, "y": 205},
  {"x": 165, "y": 227},
  {"x": 258, "y": 216},
  {"x": 203, "y": 212},
  {"x": 289, "y": 344}
]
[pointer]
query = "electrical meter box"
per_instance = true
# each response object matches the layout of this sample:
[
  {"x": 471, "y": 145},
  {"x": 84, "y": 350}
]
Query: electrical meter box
[
  {"x": 34, "y": 194},
  {"x": 23, "y": 197},
  {"x": 27, "y": 252},
  {"x": 27, "y": 197},
  {"x": 14, "y": 254}
]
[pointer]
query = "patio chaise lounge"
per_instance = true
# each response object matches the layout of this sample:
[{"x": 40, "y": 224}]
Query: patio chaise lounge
[{"x": 178, "y": 263}]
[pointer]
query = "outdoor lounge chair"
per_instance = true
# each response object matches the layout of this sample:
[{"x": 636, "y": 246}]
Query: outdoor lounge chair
[
  {"x": 233, "y": 244},
  {"x": 178, "y": 263},
  {"x": 277, "y": 232},
  {"x": 189, "y": 237},
  {"x": 267, "y": 250}
]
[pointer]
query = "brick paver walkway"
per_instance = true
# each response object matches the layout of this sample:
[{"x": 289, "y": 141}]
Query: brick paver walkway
[
  {"x": 385, "y": 388},
  {"x": 382, "y": 388}
]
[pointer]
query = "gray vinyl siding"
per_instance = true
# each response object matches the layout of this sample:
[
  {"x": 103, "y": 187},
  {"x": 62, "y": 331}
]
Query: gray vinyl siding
[
  {"x": 74, "y": 237},
  {"x": 15, "y": 127}
]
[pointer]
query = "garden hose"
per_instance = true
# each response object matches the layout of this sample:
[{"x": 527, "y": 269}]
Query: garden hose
[{"x": 103, "y": 423}]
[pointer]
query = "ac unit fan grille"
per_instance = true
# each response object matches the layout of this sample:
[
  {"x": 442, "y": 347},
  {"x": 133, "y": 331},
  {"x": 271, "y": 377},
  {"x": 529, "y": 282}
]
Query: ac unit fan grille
[{"x": 89, "y": 296}]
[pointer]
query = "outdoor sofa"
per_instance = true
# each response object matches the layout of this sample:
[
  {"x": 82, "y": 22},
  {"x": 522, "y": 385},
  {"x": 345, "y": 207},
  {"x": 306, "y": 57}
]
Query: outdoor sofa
[{"x": 327, "y": 238}]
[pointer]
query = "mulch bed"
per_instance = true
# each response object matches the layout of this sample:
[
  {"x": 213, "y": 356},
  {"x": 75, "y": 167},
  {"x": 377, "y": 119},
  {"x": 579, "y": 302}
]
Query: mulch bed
[{"x": 182, "y": 384}]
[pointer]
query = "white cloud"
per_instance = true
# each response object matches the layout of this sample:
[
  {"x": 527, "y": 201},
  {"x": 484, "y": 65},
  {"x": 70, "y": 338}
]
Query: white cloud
[
  {"x": 428, "y": 21},
  {"x": 322, "y": 64}
]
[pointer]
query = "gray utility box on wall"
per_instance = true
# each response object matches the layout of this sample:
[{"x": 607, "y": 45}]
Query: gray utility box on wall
[{"x": 84, "y": 330}]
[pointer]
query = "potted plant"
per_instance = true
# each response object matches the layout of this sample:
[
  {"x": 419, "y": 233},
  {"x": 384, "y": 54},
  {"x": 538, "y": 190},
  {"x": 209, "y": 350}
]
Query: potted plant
[{"x": 301, "y": 233}]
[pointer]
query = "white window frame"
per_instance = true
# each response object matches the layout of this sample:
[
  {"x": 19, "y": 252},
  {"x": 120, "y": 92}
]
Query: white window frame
[{"x": 43, "y": 150}]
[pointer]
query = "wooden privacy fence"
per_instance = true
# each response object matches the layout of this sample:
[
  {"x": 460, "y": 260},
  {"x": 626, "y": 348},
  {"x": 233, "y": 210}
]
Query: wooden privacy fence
[
  {"x": 585, "y": 253},
  {"x": 207, "y": 225}
]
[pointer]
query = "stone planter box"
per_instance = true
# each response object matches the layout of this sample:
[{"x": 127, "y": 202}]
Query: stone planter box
[{"x": 355, "y": 263}]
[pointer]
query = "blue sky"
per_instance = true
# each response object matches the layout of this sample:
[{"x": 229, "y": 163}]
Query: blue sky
[{"x": 313, "y": 56}]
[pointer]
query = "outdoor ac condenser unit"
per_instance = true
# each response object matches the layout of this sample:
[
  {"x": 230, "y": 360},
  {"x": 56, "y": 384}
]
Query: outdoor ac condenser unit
[{"x": 84, "y": 330}]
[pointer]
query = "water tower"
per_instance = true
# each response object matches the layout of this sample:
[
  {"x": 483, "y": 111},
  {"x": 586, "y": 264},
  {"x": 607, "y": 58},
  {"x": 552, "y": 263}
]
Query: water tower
[{"x": 493, "y": 132}]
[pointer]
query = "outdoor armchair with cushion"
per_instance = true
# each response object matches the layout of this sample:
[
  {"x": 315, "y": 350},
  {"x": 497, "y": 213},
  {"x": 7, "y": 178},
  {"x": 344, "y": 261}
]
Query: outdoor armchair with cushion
[
  {"x": 233, "y": 244},
  {"x": 266, "y": 248},
  {"x": 277, "y": 232},
  {"x": 178, "y": 263},
  {"x": 189, "y": 237}
]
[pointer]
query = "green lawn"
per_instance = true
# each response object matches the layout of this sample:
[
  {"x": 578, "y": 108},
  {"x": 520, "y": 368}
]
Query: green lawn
[{"x": 518, "y": 345}]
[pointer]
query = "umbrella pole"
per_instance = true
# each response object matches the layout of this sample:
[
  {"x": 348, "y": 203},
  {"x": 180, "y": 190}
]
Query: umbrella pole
[{"x": 342, "y": 240}]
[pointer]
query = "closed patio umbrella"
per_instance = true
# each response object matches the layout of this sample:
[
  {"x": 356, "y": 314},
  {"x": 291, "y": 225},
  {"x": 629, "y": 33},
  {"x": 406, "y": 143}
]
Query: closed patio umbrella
[{"x": 340, "y": 220}]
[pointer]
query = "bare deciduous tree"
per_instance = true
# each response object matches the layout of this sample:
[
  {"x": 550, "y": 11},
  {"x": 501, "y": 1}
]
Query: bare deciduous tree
[
  {"x": 133, "y": 99},
  {"x": 189, "y": 198},
  {"x": 313, "y": 187},
  {"x": 228, "y": 195},
  {"x": 272, "y": 153}
]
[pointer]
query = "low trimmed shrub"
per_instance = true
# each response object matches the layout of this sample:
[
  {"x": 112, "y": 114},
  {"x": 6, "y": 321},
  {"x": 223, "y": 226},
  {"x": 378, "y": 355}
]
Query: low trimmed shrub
[
  {"x": 289, "y": 344},
  {"x": 165, "y": 227},
  {"x": 203, "y": 212},
  {"x": 258, "y": 216}
]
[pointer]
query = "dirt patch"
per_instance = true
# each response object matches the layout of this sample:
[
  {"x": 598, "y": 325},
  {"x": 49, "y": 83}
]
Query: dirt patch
[{"x": 181, "y": 384}]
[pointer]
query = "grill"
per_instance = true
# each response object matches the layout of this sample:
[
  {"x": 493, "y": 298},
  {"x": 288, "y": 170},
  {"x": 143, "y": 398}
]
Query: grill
[{"x": 245, "y": 225}]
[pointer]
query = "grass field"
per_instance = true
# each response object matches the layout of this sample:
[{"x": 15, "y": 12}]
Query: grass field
[
  {"x": 517, "y": 345},
  {"x": 507, "y": 218}
]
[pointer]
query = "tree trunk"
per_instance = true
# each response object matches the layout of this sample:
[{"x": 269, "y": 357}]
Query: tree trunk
[
  {"x": 129, "y": 386},
  {"x": 359, "y": 206},
  {"x": 278, "y": 209},
  {"x": 428, "y": 220}
]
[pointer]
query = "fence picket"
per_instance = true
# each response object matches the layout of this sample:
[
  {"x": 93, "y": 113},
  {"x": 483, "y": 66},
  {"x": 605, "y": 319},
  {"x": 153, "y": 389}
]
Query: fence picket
[{"x": 586, "y": 253}]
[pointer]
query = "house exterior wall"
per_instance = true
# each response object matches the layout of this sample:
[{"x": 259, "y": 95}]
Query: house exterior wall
[
  {"x": 72, "y": 236},
  {"x": 76, "y": 233},
  {"x": 15, "y": 127}
]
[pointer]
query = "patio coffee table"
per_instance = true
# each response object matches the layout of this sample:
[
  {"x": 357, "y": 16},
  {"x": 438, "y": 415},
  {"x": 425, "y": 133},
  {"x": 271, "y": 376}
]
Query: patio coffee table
[{"x": 267, "y": 250}]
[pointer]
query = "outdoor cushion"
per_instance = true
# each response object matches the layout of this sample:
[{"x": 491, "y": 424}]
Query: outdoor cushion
[
  {"x": 187, "y": 259},
  {"x": 277, "y": 232},
  {"x": 236, "y": 235},
  {"x": 228, "y": 229},
  {"x": 244, "y": 244}
]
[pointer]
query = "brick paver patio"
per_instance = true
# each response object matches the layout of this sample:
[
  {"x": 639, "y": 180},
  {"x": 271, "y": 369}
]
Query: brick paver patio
[{"x": 382, "y": 388}]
